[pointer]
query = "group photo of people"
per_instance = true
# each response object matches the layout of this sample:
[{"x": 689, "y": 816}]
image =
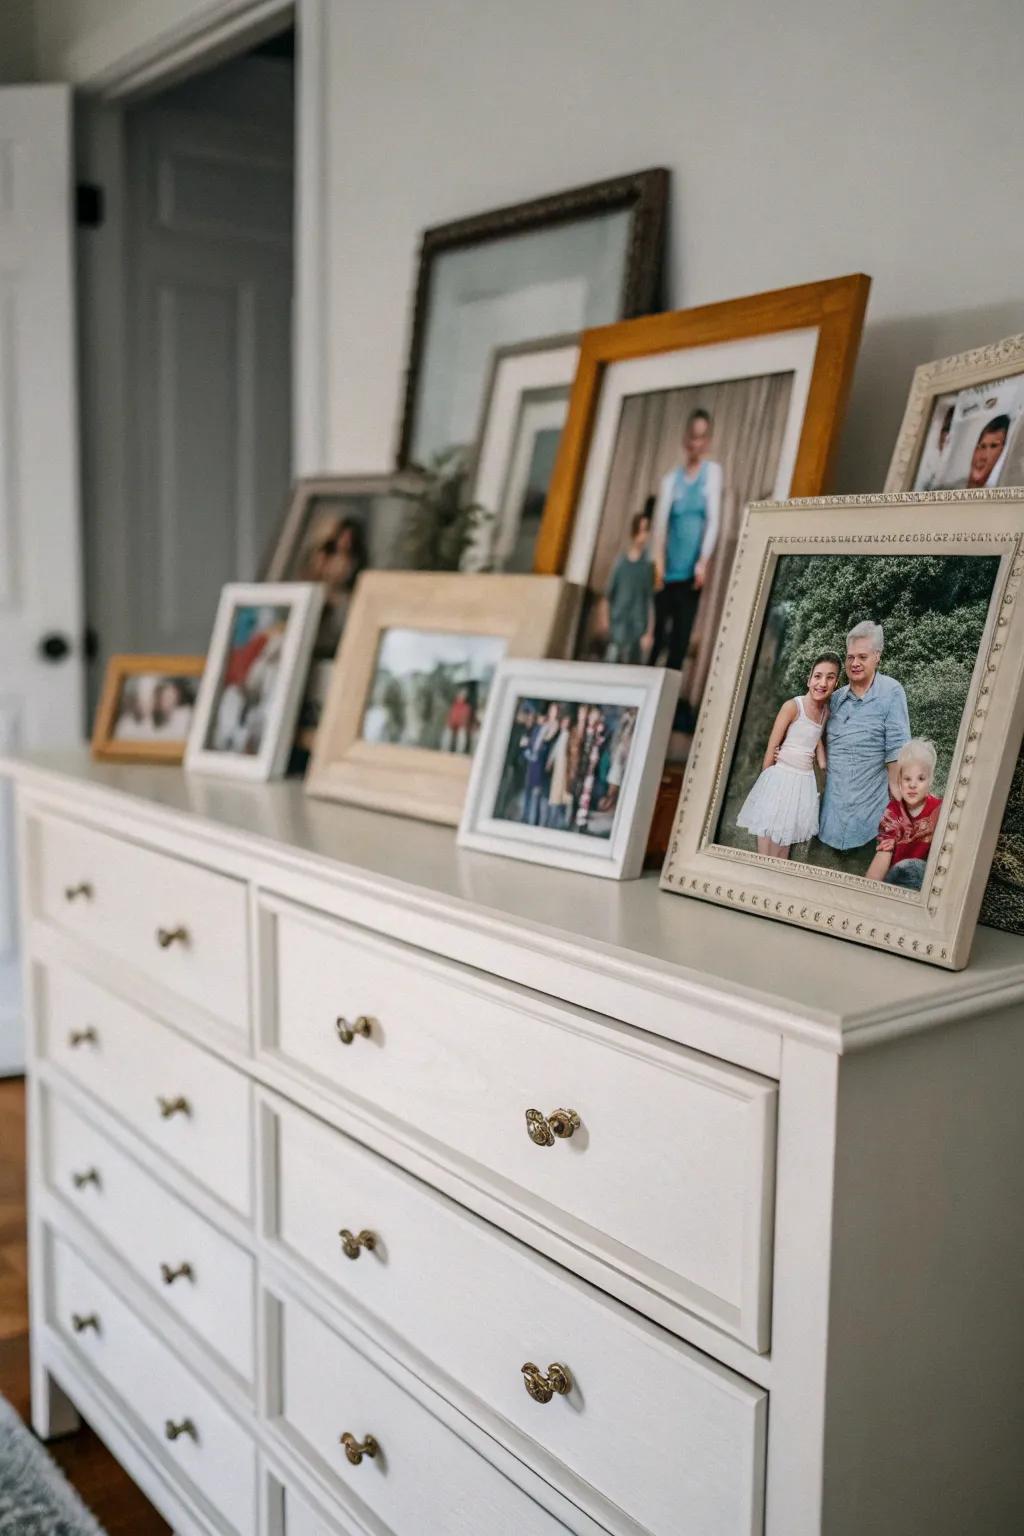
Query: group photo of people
[
  {"x": 850, "y": 728},
  {"x": 429, "y": 690},
  {"x": 154, "y": 708},
  {"x": 686, "y": 462},
  {"x": 564, "y": 765}
]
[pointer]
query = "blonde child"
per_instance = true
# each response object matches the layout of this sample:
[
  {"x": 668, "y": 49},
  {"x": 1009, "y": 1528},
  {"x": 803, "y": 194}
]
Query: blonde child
[
  {"x": 782, "y": 807},
  {"x": 908, "y": 824}
]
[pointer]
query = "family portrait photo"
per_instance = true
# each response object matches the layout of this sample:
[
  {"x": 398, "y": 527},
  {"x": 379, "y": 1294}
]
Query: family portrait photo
[
  {"x": 564, "y": 765},
  {"x": 855, "y": 705},
  {"x": 154, "y": 708},
  {"x": 249, "y": 679},
  {"x": 685, "y": 463},
  {"x": 429, "y": 689},
  {"x": 975, "y": 438}
]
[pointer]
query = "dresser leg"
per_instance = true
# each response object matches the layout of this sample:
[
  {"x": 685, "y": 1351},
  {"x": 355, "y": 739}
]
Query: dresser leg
[{"x": 53, "y": 1412}]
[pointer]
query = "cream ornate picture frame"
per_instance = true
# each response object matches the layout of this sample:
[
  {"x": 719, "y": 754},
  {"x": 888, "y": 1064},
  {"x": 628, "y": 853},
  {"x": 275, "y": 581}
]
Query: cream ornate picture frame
[
  {"x": 963, "y": 661},
  {"x": 408, "y": 689}
]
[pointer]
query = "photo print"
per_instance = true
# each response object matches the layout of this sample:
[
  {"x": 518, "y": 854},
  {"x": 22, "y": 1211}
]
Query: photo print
[
  {"x": 429, "y": 689},
  {"x": 975, "y": 438}
]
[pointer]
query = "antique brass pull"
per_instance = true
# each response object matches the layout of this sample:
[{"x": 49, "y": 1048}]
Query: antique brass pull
[
  {"x": 347, "y": 1032},
  {"x": 174, "y": 1431},
  {"x": 165, "y": 937},
  {"x": 171, "y": 1107},
  {"x": 87, "y": 1036},
  {"x": 82, "y": 1324},
  {"x": 542, "y": 1129},
  {"x": 83, "y": 889},
  {"x": 356, "y": 1450},
  {"x": 543, "y": 1388},
  {"x": 90, "y": 1176},
  {"x": 180, "y": 1272},
  {"x": 352, "y": 1243}
]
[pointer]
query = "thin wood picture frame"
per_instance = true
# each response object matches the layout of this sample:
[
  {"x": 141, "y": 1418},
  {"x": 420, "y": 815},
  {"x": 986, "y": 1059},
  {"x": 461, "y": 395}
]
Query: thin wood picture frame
[
  {"x": 151, "y": 747},
  {"x": 643, "y": 194},
  {"x": 834, "y": 307},
  {"x": 528, "y": 616},
  {"x": 934, "y": 923}
]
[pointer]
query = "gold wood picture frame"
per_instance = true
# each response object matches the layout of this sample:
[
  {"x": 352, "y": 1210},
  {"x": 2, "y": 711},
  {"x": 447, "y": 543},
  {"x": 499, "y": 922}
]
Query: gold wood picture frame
[
  {"x": 409, "y": 683},
  {"x": 960, "y": 540},
  {"x": 145, "y": 709}
]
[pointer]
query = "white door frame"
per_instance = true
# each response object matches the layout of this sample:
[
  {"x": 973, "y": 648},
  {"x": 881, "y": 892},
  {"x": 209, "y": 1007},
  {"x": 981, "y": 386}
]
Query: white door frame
[{"x": 216, "y": 31}]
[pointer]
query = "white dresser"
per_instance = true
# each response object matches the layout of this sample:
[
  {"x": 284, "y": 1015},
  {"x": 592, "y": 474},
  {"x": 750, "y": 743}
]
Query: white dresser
[{"x": 382, "y": 1190}]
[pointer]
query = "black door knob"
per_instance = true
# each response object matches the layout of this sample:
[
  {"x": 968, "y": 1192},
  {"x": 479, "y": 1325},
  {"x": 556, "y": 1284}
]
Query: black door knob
[{"x": 54, "y": 647}]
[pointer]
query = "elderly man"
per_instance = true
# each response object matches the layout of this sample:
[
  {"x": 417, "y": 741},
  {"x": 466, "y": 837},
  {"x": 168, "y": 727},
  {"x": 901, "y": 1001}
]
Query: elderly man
[{"x": 868, "y": 724}]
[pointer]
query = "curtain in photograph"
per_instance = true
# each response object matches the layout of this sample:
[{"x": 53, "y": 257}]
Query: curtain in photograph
[{"x": 749, "y": 417}]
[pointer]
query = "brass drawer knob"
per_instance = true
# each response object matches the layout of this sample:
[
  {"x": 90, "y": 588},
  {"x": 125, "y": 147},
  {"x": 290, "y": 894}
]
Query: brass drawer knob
[
  {"x": 170, "y": 1273},
  {"x": 174, "y": 1429},
  {"x": 88, "y": 1176},
  {"x": 165, "y": 937},
  {"x": 355, "y": 1449},
  {"x": 82, "y": 890},
  {"x": 543, "y": 1388},
  {"x": 82, "y": 1323},
  {"x": 171, "y": 1107},
  {"x": 352, "y": 1243},
  {"x": 87, "y": 1036},
  {"x": 542, "y": 1129},
  {"x": 347, "y": 1032}
]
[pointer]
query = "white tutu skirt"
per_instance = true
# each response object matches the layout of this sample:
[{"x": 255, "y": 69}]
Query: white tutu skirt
[{"x": 783, "y": 805}]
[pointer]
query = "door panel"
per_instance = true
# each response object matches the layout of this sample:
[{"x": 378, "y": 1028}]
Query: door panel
[{"x": 40, "y": 595}]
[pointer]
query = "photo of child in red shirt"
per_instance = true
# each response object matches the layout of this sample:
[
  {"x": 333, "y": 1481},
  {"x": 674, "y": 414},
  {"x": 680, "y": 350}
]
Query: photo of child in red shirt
[{"x": 908, "y": 823}]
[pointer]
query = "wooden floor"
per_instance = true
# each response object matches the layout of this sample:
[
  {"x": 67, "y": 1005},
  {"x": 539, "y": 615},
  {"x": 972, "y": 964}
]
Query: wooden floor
[{"x": 104, "y": 1487}]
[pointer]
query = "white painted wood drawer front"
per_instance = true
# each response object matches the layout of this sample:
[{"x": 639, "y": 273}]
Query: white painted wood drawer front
[
  {"x": 199, "y": 1438},
  {"x": 669, "y": 1177},
  {"x": 180, "y": 924},
  {"x": 423, "y": 1480},
  {"x": 205, "y": 1278},
  {"x": 655, "y": 1427},
  {"x": 194, "y": 1108}
]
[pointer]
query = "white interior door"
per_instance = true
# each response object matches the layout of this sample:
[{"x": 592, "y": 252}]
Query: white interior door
[{"x": 40, "y": 583}]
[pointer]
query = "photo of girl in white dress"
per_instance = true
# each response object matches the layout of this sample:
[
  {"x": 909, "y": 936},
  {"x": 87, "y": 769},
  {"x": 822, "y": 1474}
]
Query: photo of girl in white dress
[{"x": 782, "y": 807}]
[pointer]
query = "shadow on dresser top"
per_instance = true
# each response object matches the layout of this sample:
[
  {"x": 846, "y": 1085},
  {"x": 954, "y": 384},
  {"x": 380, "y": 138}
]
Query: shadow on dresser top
[{"x": 840, "y": 993}]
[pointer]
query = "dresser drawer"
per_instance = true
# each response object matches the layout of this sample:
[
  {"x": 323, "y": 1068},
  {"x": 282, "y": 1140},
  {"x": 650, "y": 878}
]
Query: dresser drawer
[
  {"x": 212, "y": 1451},
  {"x": 669, "y": 1177},
  {"x": 182, "y": 925},
  {"x": 424, "y": 1478},
  {"x": 156, "y": 1234},
  {"x": 187, "y": 1103},
  {"x": 479, "y": 1305}
]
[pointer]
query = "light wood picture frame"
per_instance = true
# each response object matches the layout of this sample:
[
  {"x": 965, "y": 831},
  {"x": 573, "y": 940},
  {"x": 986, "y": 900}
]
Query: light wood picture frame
[
  {"x": 471, "y": 622},
  {"x": 146, "y": 728},
  {"x": 976, "y": 378},
  {"x": 598, "y": 733},
  {"x": 706, "y": 858},
  {"x": 259, "y": 657}
]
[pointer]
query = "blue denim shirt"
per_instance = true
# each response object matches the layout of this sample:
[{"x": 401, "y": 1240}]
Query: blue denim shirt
[{"x": 862, "y": 737}]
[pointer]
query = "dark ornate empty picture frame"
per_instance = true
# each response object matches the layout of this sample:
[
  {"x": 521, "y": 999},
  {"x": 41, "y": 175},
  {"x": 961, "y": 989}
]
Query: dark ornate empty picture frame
[{"x": 563, "y": 262}]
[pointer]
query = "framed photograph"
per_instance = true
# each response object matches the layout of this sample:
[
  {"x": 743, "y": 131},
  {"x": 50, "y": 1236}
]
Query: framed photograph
[
  {"x": 964, "y": 426},
  {"x": 568, "y": 765},
  {"x": 524, "y": 411},
  {"x": 412, "y": 680},
  {"x": 262, "y": 644},
  {"x": 336, "y": 527},
  {"x": 559, "y": 263},
  {"x": 145, "y": 710},
  {"x": 675, "y": 423},
  {"x": 862, "y": 719}
]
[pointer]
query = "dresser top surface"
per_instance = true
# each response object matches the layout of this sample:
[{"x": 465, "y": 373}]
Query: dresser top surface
[{"x": 784, "y": 971}]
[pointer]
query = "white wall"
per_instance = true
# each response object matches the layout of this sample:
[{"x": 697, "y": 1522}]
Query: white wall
[
  {"x": 78, "y": 39},
  {"x": 805, "y": 138}
]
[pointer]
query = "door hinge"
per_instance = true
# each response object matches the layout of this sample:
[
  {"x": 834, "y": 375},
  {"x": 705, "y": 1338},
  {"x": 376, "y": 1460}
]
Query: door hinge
[{"x": 88, "y": 205}]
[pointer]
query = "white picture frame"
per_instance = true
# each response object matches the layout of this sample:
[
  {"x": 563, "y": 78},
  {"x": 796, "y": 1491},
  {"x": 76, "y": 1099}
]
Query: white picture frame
[
  {"x": 528, "y": 391},
  {"x": 302, "y": 603},
  {"x": 617, "y": 855}
]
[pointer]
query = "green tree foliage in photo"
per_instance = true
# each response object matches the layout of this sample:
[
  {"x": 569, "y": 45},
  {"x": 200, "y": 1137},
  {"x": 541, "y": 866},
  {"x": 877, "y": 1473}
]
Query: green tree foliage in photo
[{"x": 933, "y": 609}]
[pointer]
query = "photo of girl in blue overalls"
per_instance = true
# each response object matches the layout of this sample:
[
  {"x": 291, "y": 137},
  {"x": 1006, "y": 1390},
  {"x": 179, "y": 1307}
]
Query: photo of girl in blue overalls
[{"x": 687, "y": 515}]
